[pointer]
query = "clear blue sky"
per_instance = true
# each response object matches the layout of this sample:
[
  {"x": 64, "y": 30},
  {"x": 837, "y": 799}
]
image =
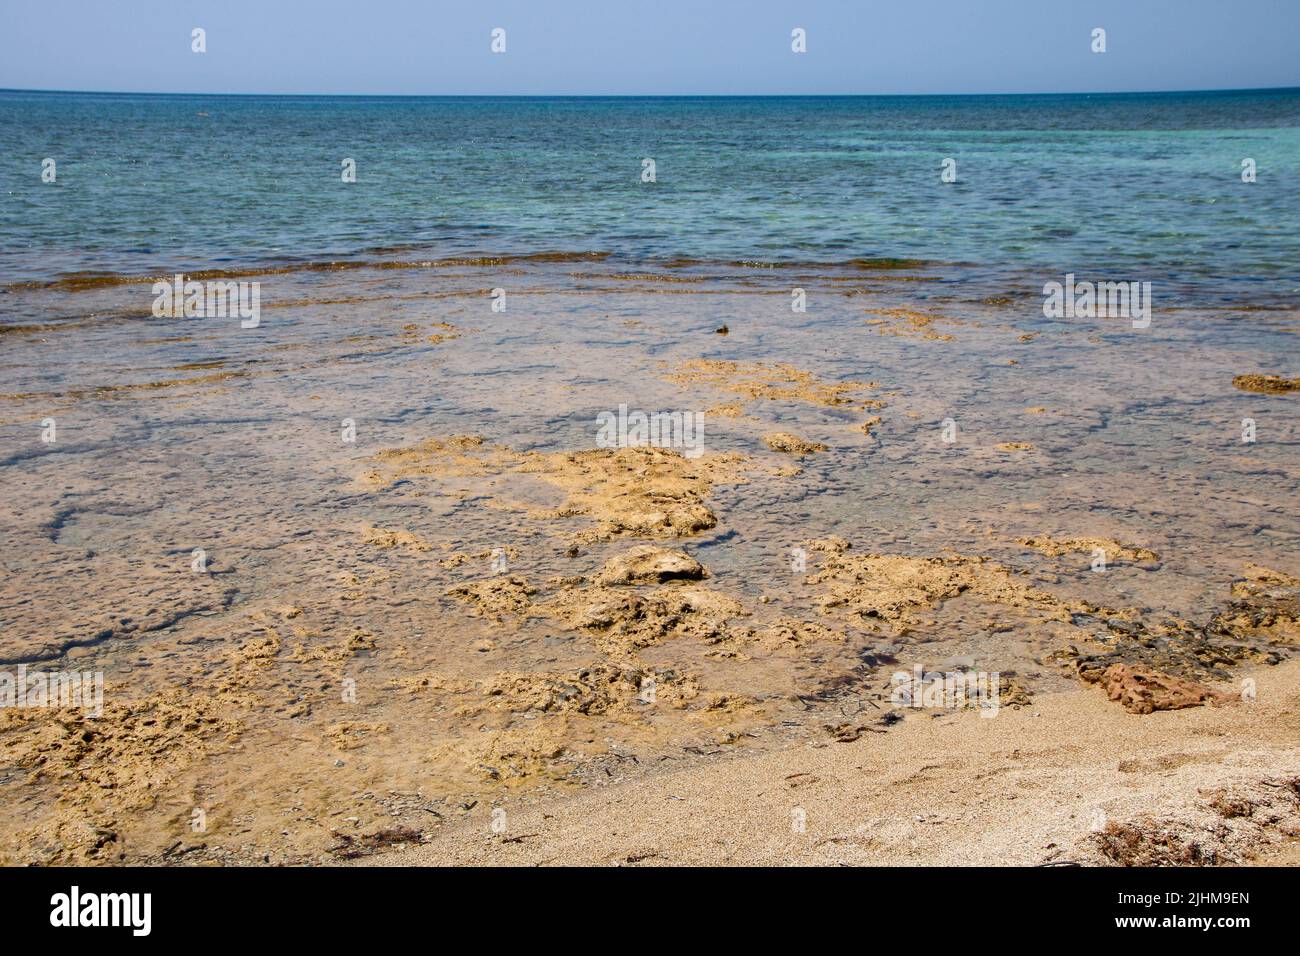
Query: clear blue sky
[{"x": 648, "y": 46}]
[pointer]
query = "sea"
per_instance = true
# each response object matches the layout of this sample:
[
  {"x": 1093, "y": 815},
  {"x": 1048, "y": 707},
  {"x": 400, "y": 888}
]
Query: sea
[{"x": 1194, "y": 191}]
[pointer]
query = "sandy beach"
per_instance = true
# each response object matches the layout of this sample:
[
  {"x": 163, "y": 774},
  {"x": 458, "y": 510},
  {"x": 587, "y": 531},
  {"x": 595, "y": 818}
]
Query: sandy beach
[{"x": 1072, "y": 780}]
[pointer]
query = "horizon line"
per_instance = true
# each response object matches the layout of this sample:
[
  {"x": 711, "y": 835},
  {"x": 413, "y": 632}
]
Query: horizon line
[{"x": 664, "y": 96}]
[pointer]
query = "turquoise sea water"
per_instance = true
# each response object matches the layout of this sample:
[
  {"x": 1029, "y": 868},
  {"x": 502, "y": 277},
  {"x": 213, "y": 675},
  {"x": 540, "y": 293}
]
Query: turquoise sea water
[{"x": 1148, "y": 185}]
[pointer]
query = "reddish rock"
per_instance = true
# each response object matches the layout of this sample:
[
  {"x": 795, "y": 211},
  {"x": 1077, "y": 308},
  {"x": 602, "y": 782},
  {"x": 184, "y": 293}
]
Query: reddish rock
[{"x": 1142, "y": 690}]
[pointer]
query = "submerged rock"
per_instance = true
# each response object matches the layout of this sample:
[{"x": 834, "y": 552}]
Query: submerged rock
[
  {"x": 1266, "y": 384},
  {"x": 647, "y": 564},
  {"x": 1113, "y": 550},
  {"x": 792, "y": 444}
]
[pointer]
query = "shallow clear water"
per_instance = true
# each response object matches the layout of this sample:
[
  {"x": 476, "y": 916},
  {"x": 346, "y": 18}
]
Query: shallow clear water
[{"x": 1148, "y": 185}]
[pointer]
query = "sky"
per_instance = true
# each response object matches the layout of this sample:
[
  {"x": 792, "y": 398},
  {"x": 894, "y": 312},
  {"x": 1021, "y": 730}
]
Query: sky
[{"x": 648, "y": 47}]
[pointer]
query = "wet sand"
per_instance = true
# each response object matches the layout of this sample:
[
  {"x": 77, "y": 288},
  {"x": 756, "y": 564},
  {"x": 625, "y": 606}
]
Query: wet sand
[
  {"x": 1072, "y": 780},
  {"x": 473, "y": 606}
]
